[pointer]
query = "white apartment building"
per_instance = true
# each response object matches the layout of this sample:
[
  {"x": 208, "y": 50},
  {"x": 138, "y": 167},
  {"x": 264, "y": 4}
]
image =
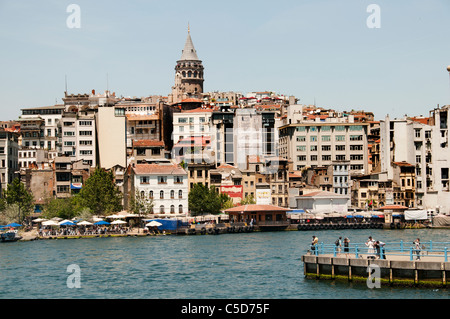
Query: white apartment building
[
  {"x": 8, "y": 157},
  {"x": 78, "y": 136},
  {"x": 39, "y": 130},
  {"x": 319, "y": 143},
  {"x": 191, "y": 123},
  {"x": 422, "y": 142},
  {"x": 166, "y": 184}
]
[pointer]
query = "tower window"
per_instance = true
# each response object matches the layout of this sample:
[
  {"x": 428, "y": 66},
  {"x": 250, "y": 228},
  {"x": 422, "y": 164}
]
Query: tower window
[
  {"x": 184, "y": 74},
  {"x": 189, "y": 74}
]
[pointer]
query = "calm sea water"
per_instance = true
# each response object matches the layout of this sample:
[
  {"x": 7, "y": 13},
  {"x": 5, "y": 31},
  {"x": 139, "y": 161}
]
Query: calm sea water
[{"x": 246, "y": 265}]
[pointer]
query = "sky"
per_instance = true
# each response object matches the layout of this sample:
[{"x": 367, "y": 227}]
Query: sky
[{"x": 321, "y": 51}]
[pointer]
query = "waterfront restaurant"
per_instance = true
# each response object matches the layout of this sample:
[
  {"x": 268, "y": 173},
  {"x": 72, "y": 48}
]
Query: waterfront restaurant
[
  {"x": 393, "y": 212},
  {"x": 264, "y": 217}
]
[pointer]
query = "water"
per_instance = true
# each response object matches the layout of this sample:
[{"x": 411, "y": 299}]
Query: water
[{"x": 246, "y": 265}]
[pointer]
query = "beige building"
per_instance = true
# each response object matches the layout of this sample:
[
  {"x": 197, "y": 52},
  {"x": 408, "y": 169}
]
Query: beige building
[{"x": 111, "y": 137}]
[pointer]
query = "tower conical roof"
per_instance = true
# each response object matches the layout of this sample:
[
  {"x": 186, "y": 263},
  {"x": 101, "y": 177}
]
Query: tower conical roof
[{"x": 189, "y": 52}]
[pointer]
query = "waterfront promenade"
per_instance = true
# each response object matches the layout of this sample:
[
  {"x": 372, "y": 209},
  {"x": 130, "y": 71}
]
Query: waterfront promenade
[{"x": 398, "y": 263}]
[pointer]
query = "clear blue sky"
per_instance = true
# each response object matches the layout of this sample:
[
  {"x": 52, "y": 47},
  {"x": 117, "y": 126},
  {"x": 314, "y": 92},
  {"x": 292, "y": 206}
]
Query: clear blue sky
[{"x": 318, "y": 50}]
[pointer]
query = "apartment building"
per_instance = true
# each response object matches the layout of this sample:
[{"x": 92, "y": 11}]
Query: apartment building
[
  {"x": 191, "y": 123},
  {"x": 422, "y": 142},
  {"x": 166, "y": 184},
  {"x": 317, "y": 143},
  {"x": 111, "y": 137},
  {"x": 239, "y": 133},
  {"x": 78, "y": 136},
  {"x": 8, "y": 157}
]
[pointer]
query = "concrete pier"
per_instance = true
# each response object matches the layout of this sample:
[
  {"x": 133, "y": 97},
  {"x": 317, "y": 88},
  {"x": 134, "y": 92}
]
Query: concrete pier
[{"x": 396, "y": 270}]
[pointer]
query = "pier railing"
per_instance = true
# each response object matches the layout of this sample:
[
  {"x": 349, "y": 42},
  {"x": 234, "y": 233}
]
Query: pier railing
[{"x": 403, "y": 249}]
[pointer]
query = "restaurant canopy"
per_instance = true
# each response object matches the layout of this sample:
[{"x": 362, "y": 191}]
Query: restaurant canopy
[{"x": 416, "y": 215}]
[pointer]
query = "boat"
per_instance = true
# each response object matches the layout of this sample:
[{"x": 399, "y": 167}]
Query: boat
[{"x": 9, "y": 236}]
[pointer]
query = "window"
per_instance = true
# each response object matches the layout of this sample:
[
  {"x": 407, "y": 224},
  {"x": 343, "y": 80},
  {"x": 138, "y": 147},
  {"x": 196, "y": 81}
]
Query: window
[
  {"x": 162, "y": 179},
  {"x": 180, "y": 209},
  {"x": 85, "y": 133},
  {"x": 85, "y": 123},
  {"x": 427, "y": 134},
  {"x": 172, "y": 194},
  {"x": 180, "y": 194},
  {"x": 178, "y": 179},
  {"x": 313, "y": 157},
  {"x": 85, "y": 152},
  {"x": 356, "y": 128},
  {"x": 326, "y": 138},
  {"x": 301, "y": 158},
  {"x": 356, "y": 137},
  {"x": 145, "y": 180},
  {"x": 340, "y": 147},
  {"x": 301, "y": 148},
  {"x": 182, "y": 120},
  {"x": 326, "y": 157},
  {"x": 326, "y": 147},
  {"x": 340, "y": 157},
  {"x": 313, "y": 138},
  {"x": 301, "y": 138},
  {"x": 339, "y": 128},
  {"x": 161, "y": 209},
  {"x": 418, "y": 159},
  {"x": 313, "y": 148},
  {"x": 340, "y": 138},
  {"x": 356, "y": 157},
  {"x": 356, "y": 147},
  {"x": 150, "y": 195},
  {"x": 172, "y": 209},
  {"x": 161, "y": 195},
  {"x": 417, "y": 132}
]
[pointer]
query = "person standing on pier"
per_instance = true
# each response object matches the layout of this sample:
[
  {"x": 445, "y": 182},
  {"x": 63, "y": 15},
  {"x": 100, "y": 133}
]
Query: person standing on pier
[
  {"x": 417, "y": 248},
  {"x": 314, "y": 243},
  {"x": 378, "y": 246},
  {"x": 371, "y": 248},
  {"x": 346, "y": 244},
  {"x": 338, "y": 244}
]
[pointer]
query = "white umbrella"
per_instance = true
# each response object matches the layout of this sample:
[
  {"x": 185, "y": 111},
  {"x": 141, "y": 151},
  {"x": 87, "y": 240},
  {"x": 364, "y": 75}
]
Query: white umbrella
[
  {"x": 38, "y": 220},
  {"x": 97, "y": 219},
  {"x": 118, "y": 222},
  {"x": 115, "y": 216},
  {"x": 57, "y": 219},
  {"x": 84, "y": 222},
  {"x": 153, "y": 223},
  {"x": 50, "y": 223}
]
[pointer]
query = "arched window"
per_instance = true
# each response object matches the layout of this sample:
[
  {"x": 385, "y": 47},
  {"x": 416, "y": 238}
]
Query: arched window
[
  {"x": 161, "y": 209},
  {"x": 180, "y": 209},
  {"x": 180, "y": 194},
  {"x": 161, "y": 194},
  {"x": 150, "y": 194},
  {"x": 189, "y": 74},
  {"x": 195, "y": 74},
  {"x": 172, "y": 209},
  {"x": 172, "y": 194},
  {"x": 142, "y": 194},
  {"x": 184, "y": 74}
]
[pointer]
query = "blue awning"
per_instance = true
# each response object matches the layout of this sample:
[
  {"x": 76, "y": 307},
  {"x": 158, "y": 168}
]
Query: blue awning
[{"x": 297, "y": 211}]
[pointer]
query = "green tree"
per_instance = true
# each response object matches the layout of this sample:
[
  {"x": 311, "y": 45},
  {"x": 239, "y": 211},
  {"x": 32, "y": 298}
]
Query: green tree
[
  {"x": 140, "y": 204},
  {"x": 100, "y": 194},
  {"x": 248, "y": 200},
  {"x": 59, "y": 207},
  {"x": 225, "y": 201},
  {"x": 203, "y": 200},
  {"x": 16, "y": 193}
]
